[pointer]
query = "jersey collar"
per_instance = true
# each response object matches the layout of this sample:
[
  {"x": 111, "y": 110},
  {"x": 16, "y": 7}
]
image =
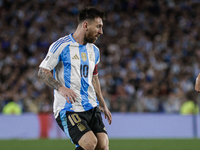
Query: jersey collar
[{"x": 71, "y": 37}]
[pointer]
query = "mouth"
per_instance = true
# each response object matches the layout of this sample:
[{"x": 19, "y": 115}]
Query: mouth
[{"x": 96, "y": 37}]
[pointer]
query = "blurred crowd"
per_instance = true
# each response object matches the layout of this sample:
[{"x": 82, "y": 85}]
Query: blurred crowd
[{"x": 150, "y": 51}]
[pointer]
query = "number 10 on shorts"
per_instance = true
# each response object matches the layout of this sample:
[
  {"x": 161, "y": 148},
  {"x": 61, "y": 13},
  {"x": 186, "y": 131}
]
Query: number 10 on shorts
[{"x": 74, "y": 118}]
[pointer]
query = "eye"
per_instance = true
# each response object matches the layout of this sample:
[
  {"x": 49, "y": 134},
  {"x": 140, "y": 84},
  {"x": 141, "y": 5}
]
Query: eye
[{"x": 99, "y": 26}]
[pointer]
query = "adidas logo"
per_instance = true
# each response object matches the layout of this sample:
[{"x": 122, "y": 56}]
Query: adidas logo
[{"x": 75, "y": 57}]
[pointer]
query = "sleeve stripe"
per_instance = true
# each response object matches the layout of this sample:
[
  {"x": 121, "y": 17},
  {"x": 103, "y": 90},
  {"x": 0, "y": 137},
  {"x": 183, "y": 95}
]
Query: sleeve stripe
[
  {"x": 95, "y": 72},
  {"x": 58, "y": 43},
  {"x": 53, "y": 50}
]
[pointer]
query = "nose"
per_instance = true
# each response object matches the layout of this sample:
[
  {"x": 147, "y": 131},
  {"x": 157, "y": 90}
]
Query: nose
[{"x": 100, "y": 31}]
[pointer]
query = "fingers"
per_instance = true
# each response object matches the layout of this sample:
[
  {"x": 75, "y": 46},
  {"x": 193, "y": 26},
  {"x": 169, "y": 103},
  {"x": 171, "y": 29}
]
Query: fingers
[
  {"x": 72, "y": 96},
  {"x": 70, "y": 99},
  {"x": 69, "y": 94},
  {"x": 108, "y": 116},
  {"x": 110, "y": 119},
  {"x": 67, "y": 99}
]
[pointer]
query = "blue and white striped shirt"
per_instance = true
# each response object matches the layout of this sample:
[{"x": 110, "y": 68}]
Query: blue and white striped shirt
[{"x": 73, "y": 65}]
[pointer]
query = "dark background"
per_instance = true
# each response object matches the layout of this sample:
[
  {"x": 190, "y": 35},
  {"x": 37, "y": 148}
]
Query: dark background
[{"x": 150, "y": 51}]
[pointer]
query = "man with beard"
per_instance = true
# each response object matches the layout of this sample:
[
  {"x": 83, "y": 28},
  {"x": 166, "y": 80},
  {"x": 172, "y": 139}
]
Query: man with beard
[{"x": 77, "y": 93}]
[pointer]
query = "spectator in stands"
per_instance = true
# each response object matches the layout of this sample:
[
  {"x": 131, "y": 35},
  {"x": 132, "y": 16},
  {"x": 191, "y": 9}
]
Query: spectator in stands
[
  {"x": 190, "y": 107},
  {"x": 12, "y": 108},
  {"x": 158, "y": 48}
]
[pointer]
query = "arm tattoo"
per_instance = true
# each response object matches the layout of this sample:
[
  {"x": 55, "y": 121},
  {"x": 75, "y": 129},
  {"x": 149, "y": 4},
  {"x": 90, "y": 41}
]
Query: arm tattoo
[{"x": 48, "y": 78}]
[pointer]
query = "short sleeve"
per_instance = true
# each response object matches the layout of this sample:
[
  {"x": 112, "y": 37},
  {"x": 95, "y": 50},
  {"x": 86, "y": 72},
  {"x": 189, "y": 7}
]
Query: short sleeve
[
  {"x": 97, "y": 55},
  {"x": 52, "y": 57}
]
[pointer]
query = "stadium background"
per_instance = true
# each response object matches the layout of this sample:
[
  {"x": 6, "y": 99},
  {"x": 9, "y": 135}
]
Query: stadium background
[{"x": 150, "y": 52}]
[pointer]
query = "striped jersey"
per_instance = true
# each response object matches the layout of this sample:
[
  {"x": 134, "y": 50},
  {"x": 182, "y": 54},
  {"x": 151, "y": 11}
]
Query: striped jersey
[{"x": 73, "y": 66}]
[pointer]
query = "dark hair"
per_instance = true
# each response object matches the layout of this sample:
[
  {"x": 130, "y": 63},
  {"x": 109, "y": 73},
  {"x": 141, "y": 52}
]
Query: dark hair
[{"x": 90, "y": 13}]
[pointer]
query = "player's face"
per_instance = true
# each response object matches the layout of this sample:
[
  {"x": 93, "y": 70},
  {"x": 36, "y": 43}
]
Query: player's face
[{"x": 94, "y": 30}]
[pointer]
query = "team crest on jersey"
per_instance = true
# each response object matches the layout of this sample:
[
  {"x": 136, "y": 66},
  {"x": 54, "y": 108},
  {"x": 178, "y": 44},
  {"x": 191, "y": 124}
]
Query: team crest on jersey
[
  {"x": 91, "y": 56},
  {"x": 83, "y": 56}
]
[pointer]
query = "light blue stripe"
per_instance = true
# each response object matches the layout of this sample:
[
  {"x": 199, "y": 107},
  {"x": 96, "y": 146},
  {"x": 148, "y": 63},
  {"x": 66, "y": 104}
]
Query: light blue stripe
[
  {"x": 71, "y": 37},
  {"x": 56, "y": 43},
  {"x": 54, "y": 71},
  {"x": 84, "y": 80},
  {"x": 96, "y": 52},
  {"x": 67, "y": 37},
  {"x": 64, "y": 123},
  {"x": 55, "y": 46},
  {"x": 60, "y": 43},
  {"x": 65, "y": 58}
]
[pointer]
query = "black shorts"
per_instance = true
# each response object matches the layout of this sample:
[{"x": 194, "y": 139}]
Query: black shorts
[{"x": 76, "y": 124}]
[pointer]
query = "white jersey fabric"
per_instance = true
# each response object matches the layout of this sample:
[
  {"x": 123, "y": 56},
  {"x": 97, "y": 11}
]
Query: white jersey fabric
[{"x": 73, "y": 65}]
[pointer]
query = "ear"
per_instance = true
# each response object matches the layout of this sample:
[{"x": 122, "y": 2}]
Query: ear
[{"x": 85, "y": 25}]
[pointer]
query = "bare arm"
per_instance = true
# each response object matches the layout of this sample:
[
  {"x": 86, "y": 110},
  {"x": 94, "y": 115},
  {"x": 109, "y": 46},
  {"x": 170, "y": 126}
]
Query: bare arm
[
  {"x": 48, "y": 78},
  {"x": 197, "y": 83},
  {"x": 102, "y": 104}
]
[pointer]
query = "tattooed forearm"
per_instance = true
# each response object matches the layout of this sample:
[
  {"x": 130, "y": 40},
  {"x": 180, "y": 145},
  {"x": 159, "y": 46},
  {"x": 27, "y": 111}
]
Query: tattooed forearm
[{"x": 48, "y": 78}]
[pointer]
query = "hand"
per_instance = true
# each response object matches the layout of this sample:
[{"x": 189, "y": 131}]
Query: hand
[
  {"x": 107, "y": 113},
  {"x": 69, "y": 94},
  {"x": 197, "y": 84}
]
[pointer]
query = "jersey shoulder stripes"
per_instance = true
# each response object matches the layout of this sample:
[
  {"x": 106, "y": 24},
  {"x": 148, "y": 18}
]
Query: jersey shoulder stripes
[
  {"x": 55, "y": 49},
  {"x": 59, "y": 42}
]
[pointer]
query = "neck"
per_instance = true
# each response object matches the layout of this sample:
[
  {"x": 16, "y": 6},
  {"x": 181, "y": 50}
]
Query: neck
[{"x": 79, "y": 36}]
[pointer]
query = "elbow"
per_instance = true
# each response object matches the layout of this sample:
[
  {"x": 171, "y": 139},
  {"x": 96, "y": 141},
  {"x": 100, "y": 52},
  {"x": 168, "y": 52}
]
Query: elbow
[{"x": 40, "y": 73}]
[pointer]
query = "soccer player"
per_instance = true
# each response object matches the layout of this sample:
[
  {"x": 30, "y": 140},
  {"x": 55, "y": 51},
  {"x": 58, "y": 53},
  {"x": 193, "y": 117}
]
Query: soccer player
[{"x": 77, "y": 93}]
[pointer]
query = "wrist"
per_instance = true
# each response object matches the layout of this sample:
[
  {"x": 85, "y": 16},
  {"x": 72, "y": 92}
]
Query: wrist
[
  {"x": 103, "y": 105},
  {"x": 59, "y": 88}
]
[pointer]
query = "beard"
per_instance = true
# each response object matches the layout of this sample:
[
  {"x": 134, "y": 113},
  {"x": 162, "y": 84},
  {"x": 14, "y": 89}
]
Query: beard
[{"x": 90, "y": 37}]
